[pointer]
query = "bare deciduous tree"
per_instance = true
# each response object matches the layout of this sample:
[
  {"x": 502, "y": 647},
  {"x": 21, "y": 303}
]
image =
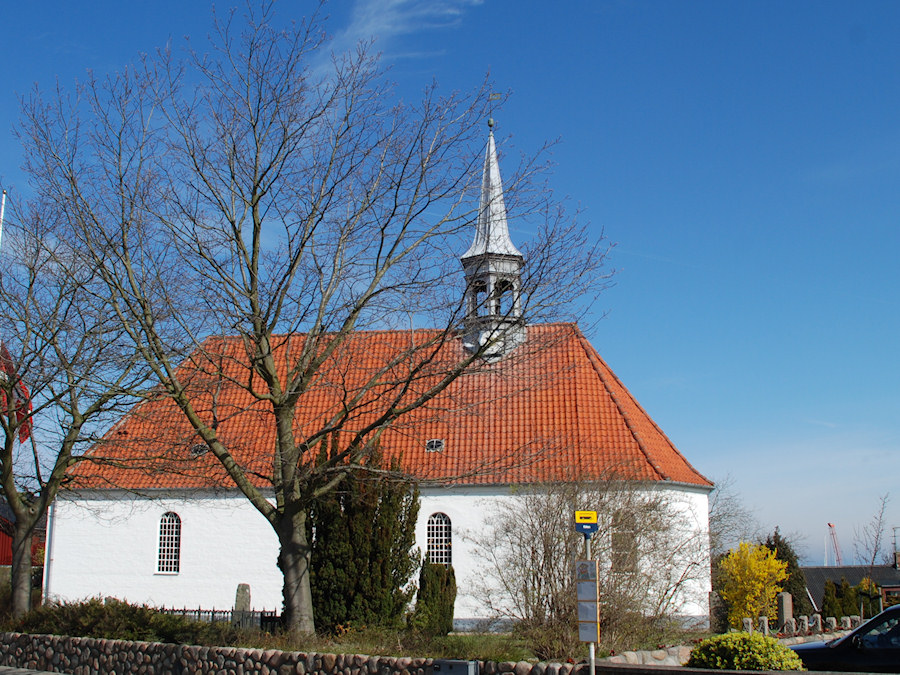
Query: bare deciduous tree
[
  {"x": 650, "y": 548},
  {"x": 730, "y": 521},
  {"x": 868, "y": 540},
  {"x": 249, "y": 194},
  {"x": 74, "y": 361}
]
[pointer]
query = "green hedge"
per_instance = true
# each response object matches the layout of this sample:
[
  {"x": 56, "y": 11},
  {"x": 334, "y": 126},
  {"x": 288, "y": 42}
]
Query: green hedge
[
  {"x": 114, "y": 619},
  {"x": 743, "y": 651}
]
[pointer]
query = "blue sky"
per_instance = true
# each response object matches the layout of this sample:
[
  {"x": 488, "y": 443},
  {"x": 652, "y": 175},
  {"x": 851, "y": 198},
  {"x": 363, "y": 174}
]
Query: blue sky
[{"x": 745, "y": 158}]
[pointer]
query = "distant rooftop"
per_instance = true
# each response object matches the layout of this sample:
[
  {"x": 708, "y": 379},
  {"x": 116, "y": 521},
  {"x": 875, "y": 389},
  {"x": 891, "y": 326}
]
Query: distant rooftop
[{"x": 886, "y": 576}]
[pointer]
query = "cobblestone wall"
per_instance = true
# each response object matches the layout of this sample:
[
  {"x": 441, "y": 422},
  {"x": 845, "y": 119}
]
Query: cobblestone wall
[{"x": 89, "y": 656}]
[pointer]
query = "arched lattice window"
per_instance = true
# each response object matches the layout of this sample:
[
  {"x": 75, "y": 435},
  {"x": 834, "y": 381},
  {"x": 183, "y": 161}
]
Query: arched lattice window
[
  {"x": 440, "y": 539},
  {"x": 169, "y": 561}
]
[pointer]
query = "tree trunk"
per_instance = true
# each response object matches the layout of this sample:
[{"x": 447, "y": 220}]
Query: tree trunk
[
  {"x": 21, "y": 568},
  {"x": 293, "y": 560}
]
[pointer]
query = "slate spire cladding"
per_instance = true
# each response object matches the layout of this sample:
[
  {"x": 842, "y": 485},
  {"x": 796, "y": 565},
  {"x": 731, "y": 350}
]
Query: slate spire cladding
[{"x": 493, "y": 271}]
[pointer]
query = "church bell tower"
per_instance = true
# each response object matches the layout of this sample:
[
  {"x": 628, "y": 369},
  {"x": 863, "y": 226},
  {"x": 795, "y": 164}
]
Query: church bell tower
[{"x": 493, "y": 271}]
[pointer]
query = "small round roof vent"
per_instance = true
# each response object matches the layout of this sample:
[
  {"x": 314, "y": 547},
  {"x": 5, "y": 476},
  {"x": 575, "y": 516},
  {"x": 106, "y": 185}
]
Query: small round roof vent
[
  {"x": 198, "y": 449},
  {"x": 434, "y": 445}
]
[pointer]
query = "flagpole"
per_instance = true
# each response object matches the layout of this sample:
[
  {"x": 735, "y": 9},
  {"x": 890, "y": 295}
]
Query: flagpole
[{"x": 2, "y": 209}]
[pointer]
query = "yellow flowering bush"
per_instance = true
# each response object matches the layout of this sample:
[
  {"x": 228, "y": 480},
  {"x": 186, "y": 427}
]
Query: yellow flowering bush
[{"x": 750, "y": 579}]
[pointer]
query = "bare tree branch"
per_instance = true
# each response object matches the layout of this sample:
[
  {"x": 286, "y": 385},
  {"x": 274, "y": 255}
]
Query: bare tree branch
[{"x": 868, "y": 540}]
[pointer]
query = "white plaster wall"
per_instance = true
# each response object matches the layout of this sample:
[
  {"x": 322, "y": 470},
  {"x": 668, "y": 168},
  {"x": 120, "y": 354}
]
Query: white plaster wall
[
  {"x": 467, "y": 508},
  {"x": 471, "y": 509},
  {"x": 693, "y": 507},
  {"x": 107, "y": 546}
]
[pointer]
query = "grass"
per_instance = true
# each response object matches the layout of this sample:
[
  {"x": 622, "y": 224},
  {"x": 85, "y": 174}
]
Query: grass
[
  {"x": 386, "y": 642},
  {"x": 468, "y": 646}
]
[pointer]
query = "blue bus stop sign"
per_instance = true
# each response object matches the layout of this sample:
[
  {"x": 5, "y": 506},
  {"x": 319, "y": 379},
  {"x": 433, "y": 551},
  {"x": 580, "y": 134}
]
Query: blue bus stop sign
[{"x": 587, "y": 529}]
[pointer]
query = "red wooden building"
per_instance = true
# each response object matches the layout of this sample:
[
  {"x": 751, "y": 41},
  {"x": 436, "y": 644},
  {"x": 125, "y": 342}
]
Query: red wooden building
[{"x": 6, "y": 537}]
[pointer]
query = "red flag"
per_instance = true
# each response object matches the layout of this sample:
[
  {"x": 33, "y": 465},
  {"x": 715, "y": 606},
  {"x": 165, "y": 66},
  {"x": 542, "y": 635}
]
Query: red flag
[{"x": 21, "y": 397}]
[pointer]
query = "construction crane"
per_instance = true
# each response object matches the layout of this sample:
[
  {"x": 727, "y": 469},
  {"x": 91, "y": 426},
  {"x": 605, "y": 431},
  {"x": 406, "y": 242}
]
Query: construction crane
[{"x": 834, "y": 543}]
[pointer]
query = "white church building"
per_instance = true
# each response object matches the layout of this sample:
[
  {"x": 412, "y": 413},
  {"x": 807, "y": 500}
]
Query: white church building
[{"x": 138, "y": 530}]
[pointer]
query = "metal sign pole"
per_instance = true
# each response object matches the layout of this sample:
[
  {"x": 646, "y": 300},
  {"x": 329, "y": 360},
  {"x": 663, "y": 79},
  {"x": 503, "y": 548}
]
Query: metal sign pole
[
  {"x": 586, "y": 577},
  {"x": 592, "y": 646}
]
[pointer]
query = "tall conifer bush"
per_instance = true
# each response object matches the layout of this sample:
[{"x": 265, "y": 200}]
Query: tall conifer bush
[
  {"x": 847, "y": 600},
  {"x": 831, "y": 605},
  {"x": 795, "y": 584},
  {"x": 434, "y": 603},
  {"x": 362, "y": 559},
  {"x": 849, "y": 597}
]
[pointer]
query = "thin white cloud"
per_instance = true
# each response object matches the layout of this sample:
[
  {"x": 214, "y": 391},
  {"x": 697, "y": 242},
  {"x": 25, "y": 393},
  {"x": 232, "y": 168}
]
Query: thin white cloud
[{"x": 383, "y": 20}]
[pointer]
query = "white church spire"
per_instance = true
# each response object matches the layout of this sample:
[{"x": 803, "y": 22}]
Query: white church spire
[
  {"x": 491, "y": 231},
  {"x": 493, "y": 269}
]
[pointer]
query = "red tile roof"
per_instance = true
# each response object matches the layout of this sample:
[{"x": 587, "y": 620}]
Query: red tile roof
[{"x": 551, "y": 410}]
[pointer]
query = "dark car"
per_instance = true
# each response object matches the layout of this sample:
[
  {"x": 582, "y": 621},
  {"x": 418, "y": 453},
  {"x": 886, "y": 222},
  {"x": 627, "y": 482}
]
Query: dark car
[{"x": 874, "y": 647}]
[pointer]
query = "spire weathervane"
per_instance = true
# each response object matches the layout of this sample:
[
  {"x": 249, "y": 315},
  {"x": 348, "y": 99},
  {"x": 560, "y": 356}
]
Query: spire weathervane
[{"x": 491, "y": 98}]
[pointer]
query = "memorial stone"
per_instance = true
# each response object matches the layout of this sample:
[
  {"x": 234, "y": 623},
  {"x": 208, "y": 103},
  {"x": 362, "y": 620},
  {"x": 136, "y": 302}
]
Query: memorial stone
[{"x": 785, "y": 608}]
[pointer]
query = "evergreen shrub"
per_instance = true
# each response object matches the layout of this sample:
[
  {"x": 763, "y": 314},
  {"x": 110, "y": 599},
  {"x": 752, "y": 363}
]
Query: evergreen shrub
[
  {"x": 795, "y": 584},
  {"x": 363, "y": 536},
  {"x": 847, "y": 600},
  {"x": 114, "y": 619},
  {"x": 434, "y": 604},
  {"x": 831, "y": 603},
  {"x": 849, "y": 597},
  {"x": 743, "y": 651}
]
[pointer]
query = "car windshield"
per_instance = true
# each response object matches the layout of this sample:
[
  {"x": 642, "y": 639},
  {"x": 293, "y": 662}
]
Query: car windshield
[{"x": 884, "y": 633}]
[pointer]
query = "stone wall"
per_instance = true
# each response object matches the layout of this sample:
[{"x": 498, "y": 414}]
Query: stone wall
[
  {"x": 90, "y": 656},
  {"x": 668, "y": 656}
]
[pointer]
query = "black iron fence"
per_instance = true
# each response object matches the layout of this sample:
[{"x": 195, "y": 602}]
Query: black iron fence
[{"x": 262, "y": 619}]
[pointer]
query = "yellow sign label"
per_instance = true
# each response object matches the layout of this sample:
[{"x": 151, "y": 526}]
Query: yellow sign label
[{"x": 585, "y": 516}]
